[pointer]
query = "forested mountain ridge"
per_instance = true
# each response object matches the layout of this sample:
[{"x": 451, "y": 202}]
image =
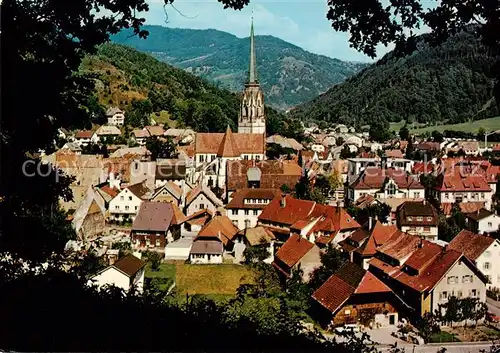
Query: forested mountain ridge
[
  {"x": 451, "y": 82},
  {"x": 288, "y": 74},
  {"x": 142, "y": 85}
]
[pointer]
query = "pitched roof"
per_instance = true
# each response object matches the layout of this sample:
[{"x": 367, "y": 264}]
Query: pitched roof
[
  {"x": 292, "y": 211},
  {"x": 155, "y": 130},
  {"x": 171, "y": 187},
  {"x": 471, "y": 244},
  {"x": 460, "y": 180},
  {"x": 179, "y": 217},
  {"x": 139, "y": 133},
  {"x": 108, "y": 130},
  {"x": 203, "y": 189},
  {"x": 258, "y": 235},
  {"x": 379, "y": 235},
  {"x": 129, "y": 265},
  {"x": 479, "y": 214},
  {"x": 153, "y": 216},
  {"x": 465, "y": 207},
  {"x": 113, "y": 110},
  {"x": 239, "y": 197},
  {"x": 84, "y": 134},
  {"x": 348, "y": 280},
  {"x": 207, "y": 246},
  {"x": 273, "y": 174},
  {"x": 293, "y": 250},
  {"x": 171, "y": 170},
  {"x": 221, "y": 227},
  {"x": 375, "y": 177},
  {"x": 140, "y": 190},
  {"x": 424, "y": 264},
  {"x": 228, "y": 146},
  {"x": 400, "y": 246},
  {"x": 210, "y": 143},
  {"x": 409, "y": 212}
]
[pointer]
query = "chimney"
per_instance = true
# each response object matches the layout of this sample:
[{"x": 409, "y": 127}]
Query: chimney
[
  {"x": 421, "y": 243},
  {"x": 424, "y": 202},
  {"x": 370, "y": 223},
  {"x": 384, "y": 161},
  {"x": 477, "y": 211},
  {"x": 283, "y": 200}
]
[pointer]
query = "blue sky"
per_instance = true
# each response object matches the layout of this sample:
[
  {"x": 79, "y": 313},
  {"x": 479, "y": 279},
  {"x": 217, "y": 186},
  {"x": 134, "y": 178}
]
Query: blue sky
[{"x": 302, "y": 23}]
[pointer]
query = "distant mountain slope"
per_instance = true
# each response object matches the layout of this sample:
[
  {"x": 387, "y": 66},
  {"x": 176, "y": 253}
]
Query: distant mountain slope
[
  {"x": 451, "y": 82},
  {"x": 288, "y": 74},
  {"x": 142, "y": 85}
]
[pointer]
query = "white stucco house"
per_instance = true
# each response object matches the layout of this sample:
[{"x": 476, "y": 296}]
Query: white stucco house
[
  {"x": 482, "y": 221},
  {"x": 201, "y": 198},
  {"x": 115, "y": 116},
  {"x": 483, "y": 250},
  {"x": 127, "y": 274},
  {"x": 245, "y": 205},
  {"x": 126, "y": 204}
]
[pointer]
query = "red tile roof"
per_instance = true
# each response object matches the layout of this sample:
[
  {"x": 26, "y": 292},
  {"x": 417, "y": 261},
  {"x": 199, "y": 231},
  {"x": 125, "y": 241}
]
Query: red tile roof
[
  {"x": 471, "y": 244},
  {"x": 400, "y": 246},
  {"x": 379, "y": 235},
  {"x": 274, "y": 173},
  {"x": 375, "y": 177},
  {"x": 210, "y": 143},
  {"x": 422, "y": 167},
  {"x": 293, "y": 250},
  {"x": 350, "y": 279},
  {"x": 292, "y": 211},
  {"x": 239, "y": 197},
  {"x": 465, "y": 207},
  {"x": 221, "y": 227},
  {"x": 460, "y": 180},
  {"x": 228, "y": 146},
  {"x": 84, "y": 134}
]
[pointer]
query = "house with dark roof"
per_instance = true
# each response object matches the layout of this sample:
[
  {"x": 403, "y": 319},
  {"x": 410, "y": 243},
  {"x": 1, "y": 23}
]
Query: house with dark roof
[
  {"x": 155, "y": 225},
  {"x": 424, "y": 275},
  {"x": 483, "y": 250},
  {"x": 213, "y": 240},
  {"x": 482, "y": 221},
  {"x": 297, "y": 253},
  {"x": 418, "y": 218},
  {"x": 320, "y": 224},
  {"x": 127, "y": 274},
  {"x": 172, "y": 170},
  {"x": 353, "y": 295},
  {"x": 363, "y": 243},
  {"x": 125, "y": 205},
  {"x": 245, "y": 205}
]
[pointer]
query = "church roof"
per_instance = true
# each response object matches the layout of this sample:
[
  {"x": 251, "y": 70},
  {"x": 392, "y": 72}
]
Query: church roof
[
  {"x": 210, "y": 143},
  {"x": 253, "y": 63},
  {"x": 228, "y": 146}
]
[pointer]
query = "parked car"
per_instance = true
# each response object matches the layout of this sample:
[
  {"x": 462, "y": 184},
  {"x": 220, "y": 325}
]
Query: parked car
[{"x": 492, "y": 318}]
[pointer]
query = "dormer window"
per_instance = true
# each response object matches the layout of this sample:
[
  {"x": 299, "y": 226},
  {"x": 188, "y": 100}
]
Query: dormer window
[
  {"x": 429, "y": 219},
  {"x": 420, "y": 219},
  {"x": 409, "y": 219}
]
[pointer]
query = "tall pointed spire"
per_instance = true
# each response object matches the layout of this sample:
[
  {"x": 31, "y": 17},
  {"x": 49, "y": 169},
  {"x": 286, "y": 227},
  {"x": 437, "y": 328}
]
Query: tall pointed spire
[{"x": 253, "y": 64}]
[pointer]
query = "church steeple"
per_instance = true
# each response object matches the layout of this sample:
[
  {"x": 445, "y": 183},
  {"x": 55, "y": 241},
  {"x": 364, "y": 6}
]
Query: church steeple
[
  {"x": 252, "y": 117},
  {"x": 252, "y": 76}
]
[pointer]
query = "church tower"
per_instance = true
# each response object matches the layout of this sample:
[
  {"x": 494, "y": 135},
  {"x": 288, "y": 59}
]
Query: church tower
[{"x": 252, "y": 117}]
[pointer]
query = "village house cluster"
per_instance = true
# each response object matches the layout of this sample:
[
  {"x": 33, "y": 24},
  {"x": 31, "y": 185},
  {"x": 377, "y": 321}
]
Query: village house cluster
[{"x": 222, "y": 194}]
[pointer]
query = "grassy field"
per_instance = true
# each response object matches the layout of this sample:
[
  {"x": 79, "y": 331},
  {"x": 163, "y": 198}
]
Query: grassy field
[
  {"x": 443, "y": 336},
  {"x": 490, "y": 124},
  {"x": 167, "y": 273},
  {"x": 220, "y": 280}
]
